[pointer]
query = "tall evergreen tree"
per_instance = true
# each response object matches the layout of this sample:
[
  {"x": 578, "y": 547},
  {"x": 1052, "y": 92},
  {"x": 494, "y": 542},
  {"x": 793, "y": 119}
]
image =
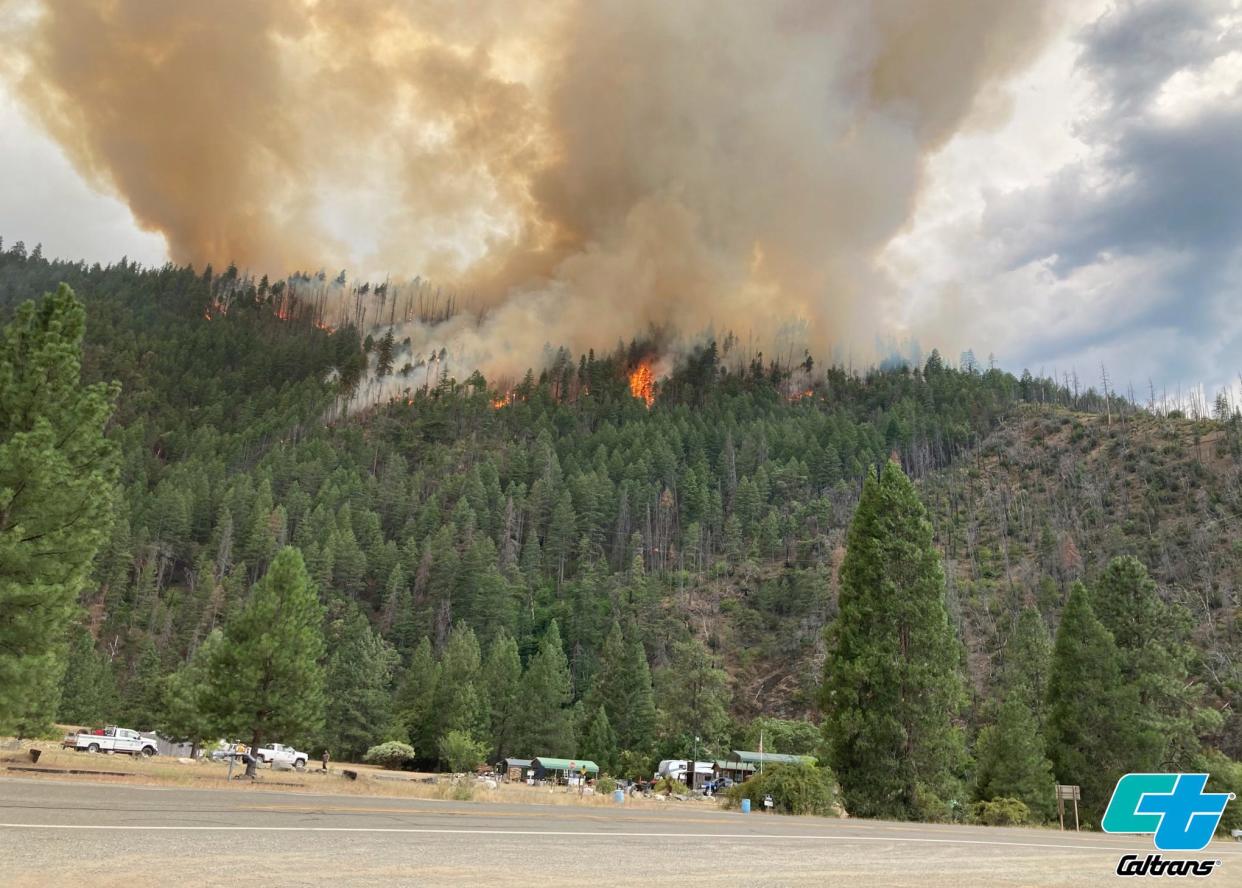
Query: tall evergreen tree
[
  {"x": 892, "y": 688},
  {"x": 265, "y": 679},
  {"x": 1010, "y": 760},
  {"x": 142, "y": 700},
  {"x": 88, "y": 692},
  {"x": 415, "y": 698},
  {"x": 502, "y": 679},
  {"x": 1156, "y": 659},
  {"x": 186, "y": 716},
  {"x": 57, "y": 472},
  {"x": 1093, "y": 723},
  {"x": 1025, "y": 664},
  {"x": 358, "y": 687},
  {"x": 545, "y": 725},
  {"x": 599, "y": 742},
  {"x": 695, "y": 693}
]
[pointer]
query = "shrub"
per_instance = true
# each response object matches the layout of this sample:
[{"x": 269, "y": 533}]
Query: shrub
[
  {"x": 460, "y": 751},
  {"x": 391, "y": 755},
  {"x": 795, "y": 789},
  {"x": 1001, "y": 812},
  {"x": 605, "y": 784}
]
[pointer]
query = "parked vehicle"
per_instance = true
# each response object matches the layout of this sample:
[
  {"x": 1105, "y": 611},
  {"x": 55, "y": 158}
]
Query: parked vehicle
[
  {"x": 278, "y": 752},
  {"x": 114, "y": 739}
]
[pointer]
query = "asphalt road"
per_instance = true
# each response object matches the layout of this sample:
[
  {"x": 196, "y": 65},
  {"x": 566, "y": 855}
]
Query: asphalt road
[{"x": 62, "y": 833}]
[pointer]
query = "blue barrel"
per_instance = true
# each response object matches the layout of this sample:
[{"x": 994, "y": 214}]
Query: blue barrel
[
  {"x": 618, "y": 796},
  {"x": 745, "y": 806}
]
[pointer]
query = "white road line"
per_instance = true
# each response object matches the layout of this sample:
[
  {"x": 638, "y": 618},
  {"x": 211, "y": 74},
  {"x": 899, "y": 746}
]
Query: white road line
[{"x": 559, "y": 834}]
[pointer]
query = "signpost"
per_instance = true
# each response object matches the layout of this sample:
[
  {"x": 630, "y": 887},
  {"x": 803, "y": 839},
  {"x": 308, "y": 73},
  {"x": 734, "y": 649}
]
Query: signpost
[{"x": 1068, "y": 792}]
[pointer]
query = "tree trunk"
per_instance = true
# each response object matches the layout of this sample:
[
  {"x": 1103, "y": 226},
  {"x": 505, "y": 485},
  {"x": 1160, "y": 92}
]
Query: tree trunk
[{"x": 253, "y": 765}]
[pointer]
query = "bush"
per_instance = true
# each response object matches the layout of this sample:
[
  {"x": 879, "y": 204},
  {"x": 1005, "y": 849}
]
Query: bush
[
  {"x": 795, "y": 789},
  {"x": 392, "y": 755},
  {"x": 1001, "y": 812},
  {"x": 605, "y": 784},
  {"x": 460, "y": 751}
]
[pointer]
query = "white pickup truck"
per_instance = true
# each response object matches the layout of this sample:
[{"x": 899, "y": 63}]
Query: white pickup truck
[
  {"x": 285, "y": 755},
  {"x": 114, "y": 739}
]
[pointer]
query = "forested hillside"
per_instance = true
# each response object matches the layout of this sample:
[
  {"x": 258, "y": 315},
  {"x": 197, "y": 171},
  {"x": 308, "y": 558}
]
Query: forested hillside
[{"x": 648, "y": 572}]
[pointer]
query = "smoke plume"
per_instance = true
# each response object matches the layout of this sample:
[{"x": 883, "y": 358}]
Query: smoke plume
[{"x": 589, "y": 169}]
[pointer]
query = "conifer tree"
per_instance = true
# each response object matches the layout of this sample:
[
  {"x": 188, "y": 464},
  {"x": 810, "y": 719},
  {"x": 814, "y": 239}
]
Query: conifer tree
[
  {"x": 88, "y": 692},
  {"x": 622, "y": 686},
  {"x": 266, "y": 682},
  {"x": 545, "y": 724},
  {"x": 358, "y": 687},
  {"x": 1155, "y": 657},
  {"x": 57, "y": 472},
  {"x": 1010, "y": 760},
  {"x": 599, "y": 743},
  {"x": 891, "y": 684},
  {"x": 142, "y": 701},
  {"x": 460, "y": 702},
  {"x": 1093, "y": 722},
  {"x": 1025, "y": 663},
  {"x": 186, "y": 715},
  {"x": 416, "y": 695},
  {"x": 502, "y": 678},
  {"x": 695, "y": 692}
]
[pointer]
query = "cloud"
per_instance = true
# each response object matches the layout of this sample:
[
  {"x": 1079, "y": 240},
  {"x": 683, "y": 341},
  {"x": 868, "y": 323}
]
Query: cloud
[{"x": 1128, "y": 251}]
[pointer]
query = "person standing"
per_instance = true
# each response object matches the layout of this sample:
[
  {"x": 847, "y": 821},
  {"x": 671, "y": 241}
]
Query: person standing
[{"x": 326, "y": 758}]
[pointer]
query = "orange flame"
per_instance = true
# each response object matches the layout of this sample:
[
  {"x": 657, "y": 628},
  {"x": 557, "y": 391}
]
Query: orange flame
[
  {"x": 503, "y": 401},
  {"x": 642, "y": 383}
]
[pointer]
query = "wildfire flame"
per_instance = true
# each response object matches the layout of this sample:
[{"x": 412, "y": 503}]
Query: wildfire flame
[
  {"x": 642, "y": 383},
  {"x": 503, "y": 401}
]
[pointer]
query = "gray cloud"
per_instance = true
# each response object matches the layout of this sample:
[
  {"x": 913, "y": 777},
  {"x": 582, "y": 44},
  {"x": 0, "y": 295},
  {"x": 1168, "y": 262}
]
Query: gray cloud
[{"x": 1157, "y": 193}]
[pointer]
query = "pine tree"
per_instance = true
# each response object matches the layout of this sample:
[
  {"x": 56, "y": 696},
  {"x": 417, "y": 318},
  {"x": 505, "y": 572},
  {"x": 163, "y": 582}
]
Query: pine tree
[
  {"x": 358, "y": 687},
  {"x": 1093, "y": 717},
  {"x": 88, "y": 690},
  {"x": 186, "y": 715},
  {"x": 891, "y": 682},
  {"x": 502, "y": 679},
  {"x": 1155, "y": 657},
  {"x": 142, "y": 700},
  {"x": 695, "y": 692},
  {"x": 599, "y": 743},
  {"x": 1025, "y": 663},
  {"x": 460, "y": 702},
  {"x": 57, "y": 472},
  {"x": 545, "y": 724},
  {"x": 1010, "y": 760},
  {"x": 622, "y": 686},
  {"x": 265, "y": 679},
  {"x": 415, "y": 698}
]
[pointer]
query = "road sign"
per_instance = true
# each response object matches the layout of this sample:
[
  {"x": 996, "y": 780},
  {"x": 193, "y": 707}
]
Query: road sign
[{"x": 1068, "y": 792}]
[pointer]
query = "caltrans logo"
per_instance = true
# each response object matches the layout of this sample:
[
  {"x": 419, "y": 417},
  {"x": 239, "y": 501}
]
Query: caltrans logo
[{"x": 1175, "y": 811}]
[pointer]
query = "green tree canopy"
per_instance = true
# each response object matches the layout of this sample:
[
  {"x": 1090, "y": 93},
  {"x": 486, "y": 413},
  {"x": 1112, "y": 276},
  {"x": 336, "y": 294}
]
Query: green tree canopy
[
  {"x": 57, "y": 472},
  {"x": 266, "y": 682},
  {"x": 892, "y": 688}
]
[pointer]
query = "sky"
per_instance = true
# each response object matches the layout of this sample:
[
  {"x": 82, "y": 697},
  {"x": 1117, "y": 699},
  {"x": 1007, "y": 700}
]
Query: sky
[{"x": 1079, "y": 207}]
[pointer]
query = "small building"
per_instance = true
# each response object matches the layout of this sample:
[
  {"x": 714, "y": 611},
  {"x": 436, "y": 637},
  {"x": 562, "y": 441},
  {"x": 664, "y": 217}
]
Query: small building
[
  {"x": 514, "y": 769},
  {"x": 758, "y": 759},
  {"x": 738, "y": 772},
  {"x": 559, "y": 770}
]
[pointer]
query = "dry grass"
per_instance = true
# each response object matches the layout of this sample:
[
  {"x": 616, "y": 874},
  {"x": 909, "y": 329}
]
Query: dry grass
[{"x": 372, "y": 781}]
